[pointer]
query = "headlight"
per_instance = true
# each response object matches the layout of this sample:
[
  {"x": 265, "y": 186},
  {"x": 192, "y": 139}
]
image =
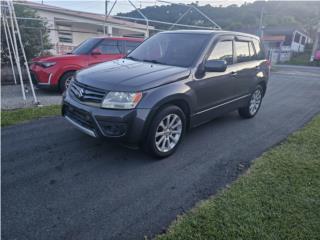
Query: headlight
[
  {"x": 47, "y": 64},
  {"x": 121, "y": 100}
]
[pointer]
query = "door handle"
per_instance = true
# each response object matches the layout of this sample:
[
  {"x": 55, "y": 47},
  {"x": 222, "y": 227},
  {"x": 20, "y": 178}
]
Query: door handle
[{"x": 233, "y": 73}]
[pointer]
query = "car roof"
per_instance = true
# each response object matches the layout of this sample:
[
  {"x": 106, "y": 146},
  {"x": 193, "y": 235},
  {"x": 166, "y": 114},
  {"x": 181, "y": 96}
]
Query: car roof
[
  {"x": 121, "y": 38},
  {"x": 213, "y": 32}
]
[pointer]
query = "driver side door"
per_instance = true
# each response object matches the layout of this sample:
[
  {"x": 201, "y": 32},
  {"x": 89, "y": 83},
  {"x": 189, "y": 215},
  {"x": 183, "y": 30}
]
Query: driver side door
[
  {"x": 216, "y": 88},
  {"x": 106, "y": 50}
]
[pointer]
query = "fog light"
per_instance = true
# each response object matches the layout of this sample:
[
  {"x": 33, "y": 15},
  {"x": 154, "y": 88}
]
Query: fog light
[{"x": 114, "y": 129}]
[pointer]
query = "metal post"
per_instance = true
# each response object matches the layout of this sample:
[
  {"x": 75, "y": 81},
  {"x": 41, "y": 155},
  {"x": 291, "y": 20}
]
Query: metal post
[
  {"x": 10, "y": 55},
  {"x": 261, "y": 22},
  {"x": 16, "y": 51},
  {"x": 180, "y": 18},
  {"x": 24, "y": 56},
  {"x": 105, "y": 17},
  {"x": 216, "y": 26}
]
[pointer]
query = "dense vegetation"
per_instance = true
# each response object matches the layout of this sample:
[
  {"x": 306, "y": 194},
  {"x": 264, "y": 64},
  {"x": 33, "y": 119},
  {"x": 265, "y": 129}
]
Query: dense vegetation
[
  {"x": 301, "y": 14},
  {"x": 34, "y": 34}
]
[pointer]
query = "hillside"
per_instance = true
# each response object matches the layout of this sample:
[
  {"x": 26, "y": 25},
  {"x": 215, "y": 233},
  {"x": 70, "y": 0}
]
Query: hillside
[{"x": 298, "y": 14}]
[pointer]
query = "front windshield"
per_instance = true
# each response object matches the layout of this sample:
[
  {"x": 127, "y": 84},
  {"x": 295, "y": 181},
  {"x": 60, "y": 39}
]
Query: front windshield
[
  {"x": 175, "y": 49},
  {"x": 86, "y": 46}
]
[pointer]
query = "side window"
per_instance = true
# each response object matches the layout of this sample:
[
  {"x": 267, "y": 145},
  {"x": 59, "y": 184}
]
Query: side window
[
  {"x": 131, "y": 45},
  {"x": 251, "y": 51},
  {"x": 243, "y": 52},
  {"x": 259, "y": 51},
  {"x": 222, "y": 51},
  {"x": 110, "y": 47}
]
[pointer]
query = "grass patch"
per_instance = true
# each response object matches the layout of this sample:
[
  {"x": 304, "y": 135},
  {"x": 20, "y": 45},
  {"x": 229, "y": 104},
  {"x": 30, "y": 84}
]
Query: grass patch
[
  {"x": 279, "y": 197},
  {"x": 10, "y": 117}
]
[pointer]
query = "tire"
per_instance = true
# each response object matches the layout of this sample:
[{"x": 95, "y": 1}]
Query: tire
[
  {"x": 253, "y": 105},
  {"x": 171, "y": 135},
  {"x": 65, "y": 81}
]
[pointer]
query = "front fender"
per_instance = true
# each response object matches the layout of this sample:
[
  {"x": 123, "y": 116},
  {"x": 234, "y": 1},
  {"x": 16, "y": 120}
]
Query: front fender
[
  {"x": 64, "y": 69},
  {"x": 177, "y": 91}
]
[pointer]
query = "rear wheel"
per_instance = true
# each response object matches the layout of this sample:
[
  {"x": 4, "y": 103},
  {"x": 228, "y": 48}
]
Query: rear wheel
[
  {"x": 166, "y": 132},
  {"x": 253, "y": 105},
  {"x": 65, "y": 81}
]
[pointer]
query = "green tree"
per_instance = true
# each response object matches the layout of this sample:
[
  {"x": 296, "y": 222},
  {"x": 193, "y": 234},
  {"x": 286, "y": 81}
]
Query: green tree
[{"x": 34, "y": 34}]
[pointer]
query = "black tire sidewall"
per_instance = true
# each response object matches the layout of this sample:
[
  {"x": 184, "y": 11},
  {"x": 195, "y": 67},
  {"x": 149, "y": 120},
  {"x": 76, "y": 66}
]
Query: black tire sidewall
[
  {"x": 245, "y": 111},
  {"x": 261, "y": 91},
  {"x": 150, "y": 140},
  {"x": 62, "y": 82}
]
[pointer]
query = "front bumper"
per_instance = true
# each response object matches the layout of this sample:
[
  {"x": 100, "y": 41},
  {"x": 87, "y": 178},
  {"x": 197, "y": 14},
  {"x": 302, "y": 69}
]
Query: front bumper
[{"x": 123, "y": 125}]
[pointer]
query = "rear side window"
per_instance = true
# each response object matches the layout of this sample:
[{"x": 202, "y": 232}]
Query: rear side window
[
  {"x": 130, "y": 46},
  {"x": 110, "y": 47},
  {"x": 222, "y": 51},
  {"x": 259, "y": 50},
  {"x": 251, "y": 51},
  {"x": 243, "y": 52}
]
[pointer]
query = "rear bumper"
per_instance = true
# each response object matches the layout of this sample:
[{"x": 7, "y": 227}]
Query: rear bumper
[{"x": 120, "y": 125}]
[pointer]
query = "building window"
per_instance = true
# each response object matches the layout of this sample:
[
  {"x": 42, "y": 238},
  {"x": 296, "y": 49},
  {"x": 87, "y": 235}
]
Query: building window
[
  {"x": 65, "y": 37},
  {"x": 297, "y": 38},
  {"x": 65, "y": 33}
]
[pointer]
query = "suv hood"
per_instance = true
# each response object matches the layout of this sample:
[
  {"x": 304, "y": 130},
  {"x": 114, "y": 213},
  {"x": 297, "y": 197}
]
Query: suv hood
[{"x": 128, "y": 75}]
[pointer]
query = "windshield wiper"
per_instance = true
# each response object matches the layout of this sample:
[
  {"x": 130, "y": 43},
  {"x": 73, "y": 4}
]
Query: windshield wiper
[
  {"x": 133, "y": 58},
  {"x": 152, "y": 61}
]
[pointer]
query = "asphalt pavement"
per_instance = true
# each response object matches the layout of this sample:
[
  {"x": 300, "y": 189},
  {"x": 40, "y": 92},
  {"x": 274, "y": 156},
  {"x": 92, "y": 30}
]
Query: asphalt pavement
[{"x": 58, "y": 183}]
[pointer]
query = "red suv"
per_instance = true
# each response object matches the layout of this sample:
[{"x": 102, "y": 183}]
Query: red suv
[{"x": 55, "y": 72}]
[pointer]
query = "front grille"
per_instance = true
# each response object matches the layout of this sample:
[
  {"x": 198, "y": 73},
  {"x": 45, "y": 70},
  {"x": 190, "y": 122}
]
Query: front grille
[
  {"x": 82, "y": 117},
  {"x": 86, "y": 94}
]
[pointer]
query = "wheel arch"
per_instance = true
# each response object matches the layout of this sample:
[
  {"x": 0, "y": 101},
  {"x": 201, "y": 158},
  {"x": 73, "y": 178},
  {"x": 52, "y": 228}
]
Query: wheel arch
[{"x": 178, "y": 101}]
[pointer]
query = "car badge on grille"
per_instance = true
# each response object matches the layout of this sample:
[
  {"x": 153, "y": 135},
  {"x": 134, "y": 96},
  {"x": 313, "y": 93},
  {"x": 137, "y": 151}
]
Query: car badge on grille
[{"x": 80, "y": 92}]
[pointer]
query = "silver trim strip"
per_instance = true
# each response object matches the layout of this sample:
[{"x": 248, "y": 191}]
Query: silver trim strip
[
  {"x": 47, "y": 83},
  {"x": 222, "y": 104},
  {"x": 81, "y": 128}
]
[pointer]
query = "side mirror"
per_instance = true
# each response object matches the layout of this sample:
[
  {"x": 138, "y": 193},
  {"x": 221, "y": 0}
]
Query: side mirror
[
  {"x": 96, "y": 51},
  {"x": 215, "y": 66}
]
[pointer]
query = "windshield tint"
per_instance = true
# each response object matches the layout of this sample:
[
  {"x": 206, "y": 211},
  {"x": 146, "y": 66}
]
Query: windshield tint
[
  {"x": 86, "y": 46},
  {"x": 176, "y": 49}
]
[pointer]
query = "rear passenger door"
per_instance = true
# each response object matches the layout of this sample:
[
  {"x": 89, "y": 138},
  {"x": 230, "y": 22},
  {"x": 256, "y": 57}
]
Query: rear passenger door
[{"x": 246, "y": 66}]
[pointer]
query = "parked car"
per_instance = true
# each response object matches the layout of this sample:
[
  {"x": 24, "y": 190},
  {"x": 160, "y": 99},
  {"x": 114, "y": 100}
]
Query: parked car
[
  {"x": 317, "y": 55},
  {"x": 56, "y": 71},
  {"x": 172, "y": 82}
]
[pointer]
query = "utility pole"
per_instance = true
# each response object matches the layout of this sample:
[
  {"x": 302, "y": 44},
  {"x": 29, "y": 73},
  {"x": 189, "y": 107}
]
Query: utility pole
[
  {"x": 261, "y": 22},
  {"x": 105, "y": 17}
]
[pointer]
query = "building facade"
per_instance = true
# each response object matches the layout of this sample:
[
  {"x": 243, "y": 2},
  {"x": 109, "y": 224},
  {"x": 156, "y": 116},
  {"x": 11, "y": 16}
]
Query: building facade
[{"x": 69, "y": 28}]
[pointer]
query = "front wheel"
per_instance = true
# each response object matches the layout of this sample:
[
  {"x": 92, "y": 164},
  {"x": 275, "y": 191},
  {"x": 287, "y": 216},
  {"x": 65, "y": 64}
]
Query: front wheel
[
  {"x": 166, "y": 132},
  {"x": 65, "y": 81},
  {"x": 253, "y": 105}
]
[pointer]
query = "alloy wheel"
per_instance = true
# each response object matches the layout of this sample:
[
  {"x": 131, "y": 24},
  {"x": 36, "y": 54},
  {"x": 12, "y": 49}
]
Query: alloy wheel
[
  {"x": 255, "y": 101},
  {"x": 168, "y": 132}
]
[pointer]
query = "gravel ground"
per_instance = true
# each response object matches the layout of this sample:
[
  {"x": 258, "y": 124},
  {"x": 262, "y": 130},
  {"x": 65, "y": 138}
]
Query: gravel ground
[{"x": 11, "y": 97}]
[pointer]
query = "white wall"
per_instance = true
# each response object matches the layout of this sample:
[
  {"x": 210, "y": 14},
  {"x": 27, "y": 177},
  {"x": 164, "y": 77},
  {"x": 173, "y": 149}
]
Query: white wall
[{"x": 81, "y": 29}]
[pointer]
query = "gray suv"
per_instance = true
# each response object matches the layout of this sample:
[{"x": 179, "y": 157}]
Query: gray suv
[{"x": 172, "y": 82}]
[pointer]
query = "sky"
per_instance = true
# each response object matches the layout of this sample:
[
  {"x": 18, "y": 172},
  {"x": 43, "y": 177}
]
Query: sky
[{"x": 98, "y": 6}]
